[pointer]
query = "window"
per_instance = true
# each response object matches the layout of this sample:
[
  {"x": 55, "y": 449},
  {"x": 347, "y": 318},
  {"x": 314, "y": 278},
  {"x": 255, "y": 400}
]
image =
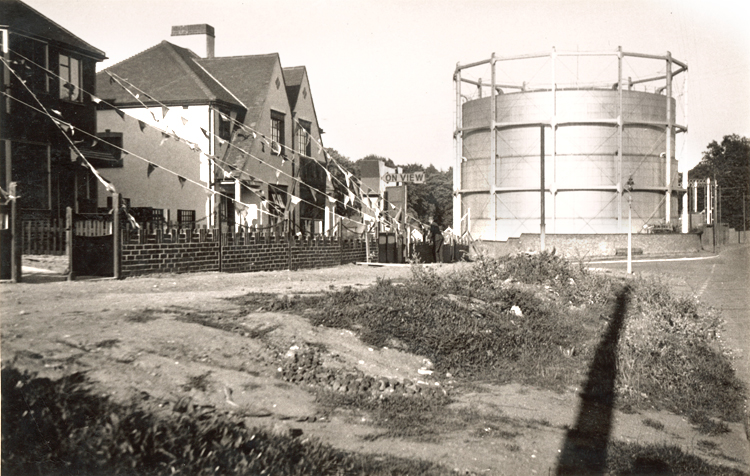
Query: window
[
  {"x": 186, "y": 218},
  {"x": 32, "y": 55},
  {"x": 30, "y": 168},
  {"x": 304, "y": 146},
  {"x": 106, "y": 153},
  {"x": 277, "y": 131},
  {"x": 225, "y": 126},
  {"x": 70, "y": 79}
]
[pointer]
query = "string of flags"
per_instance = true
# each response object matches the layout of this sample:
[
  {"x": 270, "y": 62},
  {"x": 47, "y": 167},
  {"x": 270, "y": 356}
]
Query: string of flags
[{"x": 275, "y": 146}]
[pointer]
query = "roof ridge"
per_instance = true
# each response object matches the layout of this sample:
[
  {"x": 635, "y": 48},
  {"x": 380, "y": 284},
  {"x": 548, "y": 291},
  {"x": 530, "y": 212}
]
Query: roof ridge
[
  {"x": 220, "y": 83},
  {"x": 133, "y": 56},
  {"x": 240, "y": 56},
  {"x": 203, "y": 86}
]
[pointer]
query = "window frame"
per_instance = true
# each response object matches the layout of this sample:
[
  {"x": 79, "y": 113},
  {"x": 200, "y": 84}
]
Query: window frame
[
  {"x": 68, "y": 78},
  {"x": 303, "y": 138},
  {"x": 277, "y": 131}
]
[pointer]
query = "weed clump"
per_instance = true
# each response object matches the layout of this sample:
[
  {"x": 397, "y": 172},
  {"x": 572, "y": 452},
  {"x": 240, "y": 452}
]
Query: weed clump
[{"x": 64, "y": 427}]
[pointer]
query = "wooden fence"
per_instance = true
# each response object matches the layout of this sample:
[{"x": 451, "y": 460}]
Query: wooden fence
[
  {"x": 47, "y": 237},
  {"x": 43, "y": 237}
]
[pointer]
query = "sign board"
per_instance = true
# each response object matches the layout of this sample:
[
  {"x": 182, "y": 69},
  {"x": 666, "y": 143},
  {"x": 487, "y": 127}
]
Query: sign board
[{"x": 414, "y": 177}]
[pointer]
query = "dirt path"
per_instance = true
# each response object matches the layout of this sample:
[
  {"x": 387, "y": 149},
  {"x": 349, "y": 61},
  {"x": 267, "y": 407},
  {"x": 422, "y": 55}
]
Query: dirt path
[{"x": 135, "y": 337}]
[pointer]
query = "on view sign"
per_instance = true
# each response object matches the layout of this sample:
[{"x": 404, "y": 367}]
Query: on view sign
[{"x": 414, "y": 177}]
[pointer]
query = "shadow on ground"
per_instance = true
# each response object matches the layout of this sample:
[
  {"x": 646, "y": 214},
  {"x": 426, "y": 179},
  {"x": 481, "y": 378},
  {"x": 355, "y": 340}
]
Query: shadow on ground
[{"x": 585, "y": 447}]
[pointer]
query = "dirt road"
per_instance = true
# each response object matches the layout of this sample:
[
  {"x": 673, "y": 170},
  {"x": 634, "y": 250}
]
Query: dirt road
[{"x": 136, "y": 339}]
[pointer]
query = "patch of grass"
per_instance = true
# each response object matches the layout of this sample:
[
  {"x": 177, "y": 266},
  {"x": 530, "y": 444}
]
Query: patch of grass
[
  {"x": 107, "y": 343},
  {"x": 143, "y": 316},
  {"x": 64, "y": 427},
  {"x": 655, "y": 424},
  {"x": 706, "y": 425},
  {"x": 198, "y": 382},
  {"x": 707, "y": 445},
  {"x": 633, "y": 458}
]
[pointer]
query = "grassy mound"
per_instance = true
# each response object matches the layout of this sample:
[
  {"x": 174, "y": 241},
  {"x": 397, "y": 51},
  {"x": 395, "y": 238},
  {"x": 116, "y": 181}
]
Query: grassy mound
[{"x": 537, "y": 319}]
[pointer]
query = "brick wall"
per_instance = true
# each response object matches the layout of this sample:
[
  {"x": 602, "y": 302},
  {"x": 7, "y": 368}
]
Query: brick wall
[
  {"x": 595, "y": 245},
  {"x": 200, "y": 250}
]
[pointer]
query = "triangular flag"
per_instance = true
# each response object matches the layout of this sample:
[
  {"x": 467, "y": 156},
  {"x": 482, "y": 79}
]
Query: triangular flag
[
  {"x": 72, "y": 130},
  {"x": 111, "y": 80},
  {"x": 184, "y": 121},
  {"x": 182, "y": 180},
  {"x": 328, "y": 176},
  {"x": 205, "y": 133},
  {"x": 57, "y": 112},
  {"x": 351, "y": 196},
  {"x": 295, "y": 200},
  {"x": 225, "y": 117},
  {"x": 314, "y": 195},
  {"x": 331, "y": 199},
  {"x": 277, "y": 173},
  {"x": 95, "y": 99},
  {"x": 346, "y": 199},
  {"x": 94, "y": 142},
  {"x": 255, "y": 136},
  {"x": 164, "y": 111},
  {"x": 164, "y": 137},
  {"x": 141, "y": 125},
  {"x": 276, "y": 147},
  {"x": 151, "y": 168},
  {"x": 120, "y": 113},
  {"x": 283, "y": 159},
  {"x": 348, "y": 178}
]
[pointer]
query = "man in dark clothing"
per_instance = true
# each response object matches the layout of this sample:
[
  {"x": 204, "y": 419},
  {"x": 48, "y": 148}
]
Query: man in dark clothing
[{"x": 437, "y": 241}]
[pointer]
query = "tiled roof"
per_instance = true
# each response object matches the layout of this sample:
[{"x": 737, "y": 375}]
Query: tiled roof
[
  {"x": 26, "y": 19},
  {"x": 168, "y": 73},
  {"x": 293, "y": 78},
  {"x": 248, "y": 77}
]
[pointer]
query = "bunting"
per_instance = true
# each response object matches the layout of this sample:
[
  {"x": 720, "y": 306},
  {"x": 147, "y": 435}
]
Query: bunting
[
  {"x": 95, "y": 99},
  {"x": 206, "y": 134},
  {"x": 120, "y": 113},
  {"x": 184, "y": 121},
  {"x": 141, "y": 125},
  {"x": 151, "y": 168},
  {"x": 182, "y": 180},
  {"x": 295, "y": 200},
  {"x": 164, "y": 111}
]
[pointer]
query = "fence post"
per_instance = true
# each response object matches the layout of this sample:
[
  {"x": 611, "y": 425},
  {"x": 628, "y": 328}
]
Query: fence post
[
  {"x": 116, "y": 235},
  {"x": 69, "y": 237},
  {"x": 16, "y": 249}
]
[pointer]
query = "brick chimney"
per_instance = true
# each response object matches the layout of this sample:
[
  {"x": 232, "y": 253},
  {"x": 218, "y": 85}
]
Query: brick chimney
[{"x": 198, "y": 38}]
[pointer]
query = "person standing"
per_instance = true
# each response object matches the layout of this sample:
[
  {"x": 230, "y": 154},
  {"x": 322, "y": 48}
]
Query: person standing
[{"x": 436, "y": 235}]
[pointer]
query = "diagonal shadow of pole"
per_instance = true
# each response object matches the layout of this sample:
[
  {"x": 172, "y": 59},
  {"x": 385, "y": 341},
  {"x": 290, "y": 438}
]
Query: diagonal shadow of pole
[{"x": 585, "y": 448}]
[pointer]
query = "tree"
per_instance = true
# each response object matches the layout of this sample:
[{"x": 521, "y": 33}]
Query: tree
[
  {"x": 338, "y": 180},
  {"x": 729, "y": 164}
]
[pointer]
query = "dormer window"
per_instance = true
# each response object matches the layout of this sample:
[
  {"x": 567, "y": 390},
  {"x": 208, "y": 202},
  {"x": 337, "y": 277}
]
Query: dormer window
[{"x": 70, "y": 79}]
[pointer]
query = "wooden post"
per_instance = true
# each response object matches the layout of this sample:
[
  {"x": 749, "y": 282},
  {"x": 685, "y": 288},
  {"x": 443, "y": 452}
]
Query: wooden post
[
  {"x": 69, "y": 237},
  {"x": 16, "y": 250},
  {"x": 116, "y": 238}
]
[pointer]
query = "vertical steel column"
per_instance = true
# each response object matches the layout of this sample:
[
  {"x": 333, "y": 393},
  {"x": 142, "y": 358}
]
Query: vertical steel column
[
  {"x": 618, "y": 165},
  {"x": 685, "y": 211},
  {"x": 670, "y": 126},
  {"x": 493, "y": 150},
  {"x": 457, "y": 135},
  {"x": 553, "y": 126},
  {"x": 542, "y": 226}
]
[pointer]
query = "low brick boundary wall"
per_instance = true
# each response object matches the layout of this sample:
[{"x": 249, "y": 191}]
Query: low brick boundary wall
[
  {"x": 189, "y": 251},
  {"x": 594, "y": 246}
]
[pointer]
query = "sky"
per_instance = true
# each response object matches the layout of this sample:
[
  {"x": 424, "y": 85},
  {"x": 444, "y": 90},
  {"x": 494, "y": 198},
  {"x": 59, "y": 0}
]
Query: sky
[{"x": 381, "y": 72}]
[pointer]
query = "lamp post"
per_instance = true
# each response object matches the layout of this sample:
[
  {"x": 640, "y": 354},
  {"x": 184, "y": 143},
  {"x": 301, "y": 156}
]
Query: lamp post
[{"x": 629, "y": 187}]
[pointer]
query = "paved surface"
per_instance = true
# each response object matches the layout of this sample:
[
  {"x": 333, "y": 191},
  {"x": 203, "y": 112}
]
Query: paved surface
[{"x": 721, "y": 280}]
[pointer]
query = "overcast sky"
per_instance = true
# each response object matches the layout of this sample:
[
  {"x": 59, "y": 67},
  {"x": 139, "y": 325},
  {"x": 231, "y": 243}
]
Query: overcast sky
[{"x": 381, "y": 71}]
